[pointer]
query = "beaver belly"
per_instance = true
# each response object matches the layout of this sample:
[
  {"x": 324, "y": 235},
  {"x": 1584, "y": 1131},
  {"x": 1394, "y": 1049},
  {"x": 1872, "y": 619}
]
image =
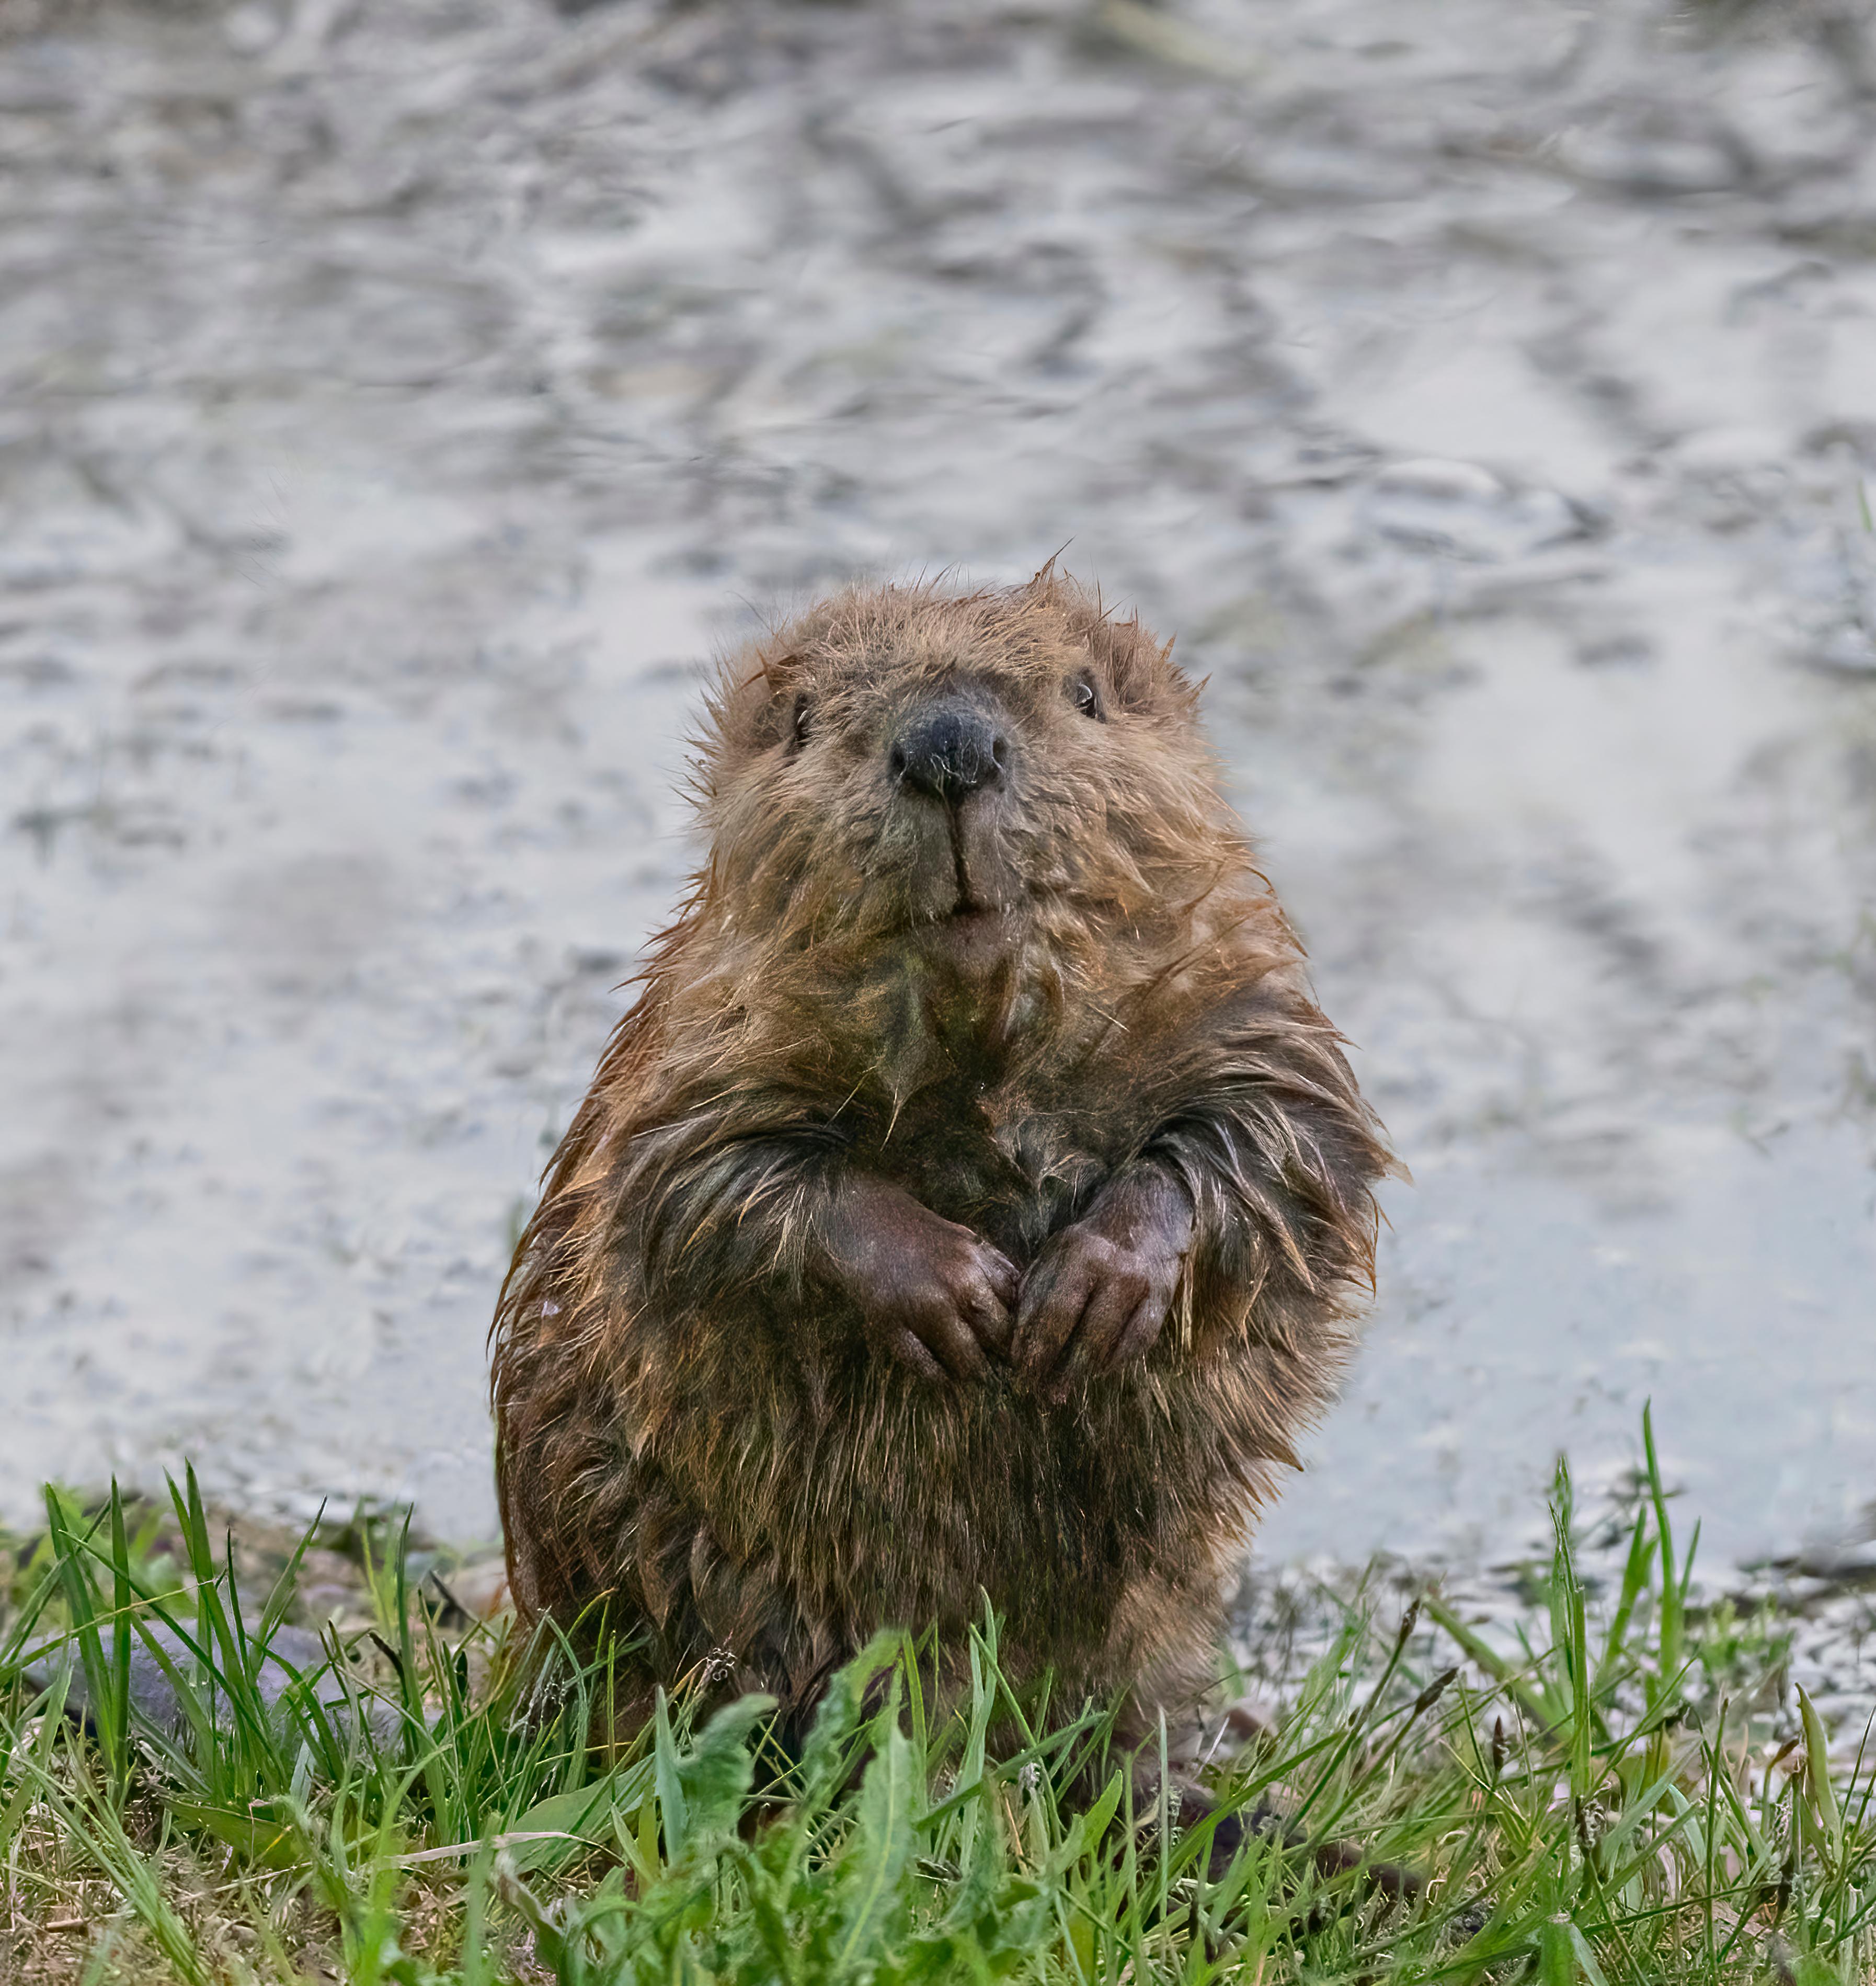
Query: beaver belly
[{"x": 864, "y": 1497}]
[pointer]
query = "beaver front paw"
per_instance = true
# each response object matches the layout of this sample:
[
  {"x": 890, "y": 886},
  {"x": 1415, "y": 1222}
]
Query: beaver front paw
[
  {"x": 1096, "y": 1297},
  {"x": 940, "y": 1305},
  {"x": 932, "y": 1293}
]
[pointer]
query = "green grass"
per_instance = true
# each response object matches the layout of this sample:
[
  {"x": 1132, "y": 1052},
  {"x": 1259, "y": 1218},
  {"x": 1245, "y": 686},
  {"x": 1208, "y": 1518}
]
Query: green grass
[{"x": 1593, "y": 1797}]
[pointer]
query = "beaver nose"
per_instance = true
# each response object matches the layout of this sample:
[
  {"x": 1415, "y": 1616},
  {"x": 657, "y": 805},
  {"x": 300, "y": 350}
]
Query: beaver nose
[{"x": 948, "y": 750}]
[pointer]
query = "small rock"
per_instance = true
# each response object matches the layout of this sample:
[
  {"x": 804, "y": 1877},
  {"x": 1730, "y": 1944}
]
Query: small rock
[
  {"x": 480, "y": 1588},
  {"x": 294, "y": 1653}
]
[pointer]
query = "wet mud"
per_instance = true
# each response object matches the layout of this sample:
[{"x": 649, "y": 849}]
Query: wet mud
[{"x": 400, "y": 398}]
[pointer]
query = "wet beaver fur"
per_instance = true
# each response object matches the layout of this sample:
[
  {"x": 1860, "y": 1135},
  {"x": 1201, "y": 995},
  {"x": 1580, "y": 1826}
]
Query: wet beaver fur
[{"x": 973, "y": 1201}]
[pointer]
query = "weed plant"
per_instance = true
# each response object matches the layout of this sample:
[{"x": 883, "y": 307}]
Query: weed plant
[{"x": 421, "y": 1803}]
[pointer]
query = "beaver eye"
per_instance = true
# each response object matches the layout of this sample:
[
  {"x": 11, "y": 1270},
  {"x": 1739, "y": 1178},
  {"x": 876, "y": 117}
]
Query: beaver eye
[
  {"x": 799, "y": 726},
  {"x": 1086, "y": 697}
]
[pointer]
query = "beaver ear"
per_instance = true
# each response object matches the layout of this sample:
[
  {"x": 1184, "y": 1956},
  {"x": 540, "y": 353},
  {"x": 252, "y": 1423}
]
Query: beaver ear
[
  {"x": 1141, "y": 669},
  {"x": 755, "y": 707}
]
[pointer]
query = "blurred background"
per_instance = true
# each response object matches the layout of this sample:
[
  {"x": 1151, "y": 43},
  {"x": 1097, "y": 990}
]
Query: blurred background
[{"x": 401, "y": 400}]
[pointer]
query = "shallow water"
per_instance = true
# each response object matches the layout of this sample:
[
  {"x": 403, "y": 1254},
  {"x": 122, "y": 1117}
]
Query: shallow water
[{"x": 398, "y": 398}]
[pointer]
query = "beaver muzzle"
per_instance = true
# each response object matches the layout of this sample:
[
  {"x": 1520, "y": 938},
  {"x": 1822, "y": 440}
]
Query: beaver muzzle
[{"x": 951, "y": 749}]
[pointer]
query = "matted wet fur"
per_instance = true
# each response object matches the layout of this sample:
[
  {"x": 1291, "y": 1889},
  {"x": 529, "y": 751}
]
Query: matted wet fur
[{"x": 973, "y": 1201}]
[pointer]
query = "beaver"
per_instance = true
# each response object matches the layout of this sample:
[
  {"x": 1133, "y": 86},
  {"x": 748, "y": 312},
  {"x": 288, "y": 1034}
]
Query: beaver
[{"x": 975, "y": 1201}]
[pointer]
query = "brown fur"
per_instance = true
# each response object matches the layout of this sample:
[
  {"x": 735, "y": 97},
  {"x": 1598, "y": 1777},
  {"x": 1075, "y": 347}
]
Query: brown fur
[{"x": 697, "y": 1423}]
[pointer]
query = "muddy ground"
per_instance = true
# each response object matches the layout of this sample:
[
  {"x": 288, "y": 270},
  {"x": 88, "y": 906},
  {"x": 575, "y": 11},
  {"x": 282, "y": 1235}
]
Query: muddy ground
[{"x": 400, "y": 398}]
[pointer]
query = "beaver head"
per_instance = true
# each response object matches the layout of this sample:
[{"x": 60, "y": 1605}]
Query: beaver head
[{"x": 996, "y": 787}]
